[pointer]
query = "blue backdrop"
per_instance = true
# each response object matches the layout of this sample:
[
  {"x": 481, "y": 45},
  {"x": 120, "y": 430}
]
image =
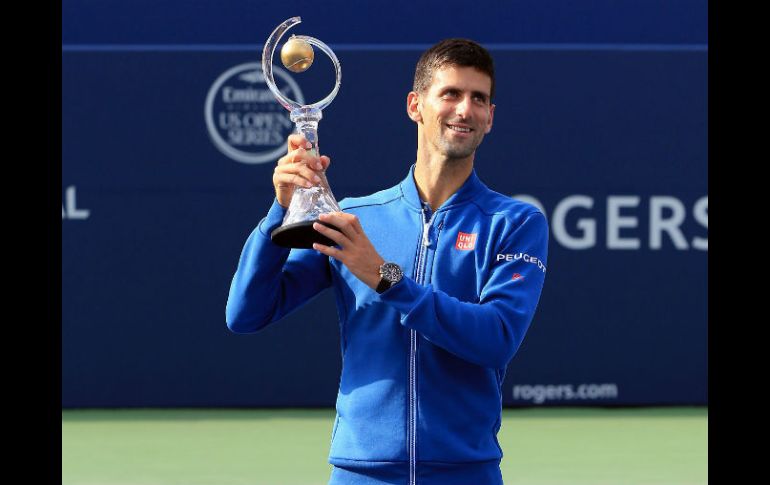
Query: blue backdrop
[{"x": 167, "y": 157}]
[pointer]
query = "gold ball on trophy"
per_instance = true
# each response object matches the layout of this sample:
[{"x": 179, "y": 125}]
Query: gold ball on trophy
[{"x": 297, "y": 55}]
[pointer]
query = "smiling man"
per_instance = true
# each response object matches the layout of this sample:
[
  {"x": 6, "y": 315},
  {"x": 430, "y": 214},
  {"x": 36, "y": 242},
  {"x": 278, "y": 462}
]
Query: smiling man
[{"x": 430, "y": 315}]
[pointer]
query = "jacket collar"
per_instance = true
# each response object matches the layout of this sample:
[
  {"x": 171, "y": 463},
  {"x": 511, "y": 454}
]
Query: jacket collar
[{"x": 465, "y": 193}]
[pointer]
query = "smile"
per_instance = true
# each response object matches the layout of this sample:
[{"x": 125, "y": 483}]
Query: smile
[{"x": 460, "y": 129}]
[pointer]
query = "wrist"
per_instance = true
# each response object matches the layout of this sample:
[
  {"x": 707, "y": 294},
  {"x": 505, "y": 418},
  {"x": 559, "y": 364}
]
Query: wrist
[
  {"x": 283, "y": 204},
  {"x": 374, "y": 275},
  {"x": 390, "y": 275}
]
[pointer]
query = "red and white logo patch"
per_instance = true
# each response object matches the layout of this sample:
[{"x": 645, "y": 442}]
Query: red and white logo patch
[
  {"x": 465, "y": 241},
  {"x": 517, "y": 276}
]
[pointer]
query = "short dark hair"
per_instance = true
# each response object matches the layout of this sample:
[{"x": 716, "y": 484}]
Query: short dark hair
[{"x": 455, "y": 52}]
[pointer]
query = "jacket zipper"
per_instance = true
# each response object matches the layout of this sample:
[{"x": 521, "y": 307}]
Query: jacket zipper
[{"x": 420, "y": 279}]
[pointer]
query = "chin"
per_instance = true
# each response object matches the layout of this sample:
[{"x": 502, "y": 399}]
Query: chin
[{"x": 457, "y": 153}]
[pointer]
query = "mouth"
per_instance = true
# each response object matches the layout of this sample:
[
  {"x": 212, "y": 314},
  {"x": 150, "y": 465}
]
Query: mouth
[{"x": 459, "y": 128}]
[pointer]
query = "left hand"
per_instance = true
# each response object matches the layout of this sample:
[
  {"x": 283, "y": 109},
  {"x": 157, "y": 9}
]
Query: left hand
[{"x": 356, "y": 251}]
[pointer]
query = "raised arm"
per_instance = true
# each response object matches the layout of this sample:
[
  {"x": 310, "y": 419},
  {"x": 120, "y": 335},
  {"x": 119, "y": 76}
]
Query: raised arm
[{"x": 270, "y": 280}]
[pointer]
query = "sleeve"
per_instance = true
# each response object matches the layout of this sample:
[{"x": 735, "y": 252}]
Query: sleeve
[
  {"x": 487, "y": 333},
  {"x": 271, "y": 281}
]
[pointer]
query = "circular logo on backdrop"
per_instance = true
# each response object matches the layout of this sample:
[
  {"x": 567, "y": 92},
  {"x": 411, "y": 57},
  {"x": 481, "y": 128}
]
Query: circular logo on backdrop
[{"x": 244, "y": 119}]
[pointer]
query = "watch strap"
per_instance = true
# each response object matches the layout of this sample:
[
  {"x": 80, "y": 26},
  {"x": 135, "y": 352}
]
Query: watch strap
[{"x": 383, "y": 285}]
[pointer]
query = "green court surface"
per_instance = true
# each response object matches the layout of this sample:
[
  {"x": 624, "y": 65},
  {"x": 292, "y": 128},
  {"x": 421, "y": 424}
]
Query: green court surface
[{"x": 544, "y": 446}]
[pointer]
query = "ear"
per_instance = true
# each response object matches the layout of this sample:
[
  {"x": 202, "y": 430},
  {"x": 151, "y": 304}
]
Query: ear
[
  {"x": 491, "y": 117},
  {"x": 413, "y": 106}
]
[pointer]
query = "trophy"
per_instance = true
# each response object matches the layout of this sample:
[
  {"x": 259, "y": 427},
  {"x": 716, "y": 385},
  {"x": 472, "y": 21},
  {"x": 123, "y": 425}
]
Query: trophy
[{"x": 306, "y": 204}]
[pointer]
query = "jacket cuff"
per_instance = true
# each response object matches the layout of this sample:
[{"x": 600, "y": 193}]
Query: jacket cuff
[
  {"x": 405, "y": 295},
  {"x": 273, "y": 219}
]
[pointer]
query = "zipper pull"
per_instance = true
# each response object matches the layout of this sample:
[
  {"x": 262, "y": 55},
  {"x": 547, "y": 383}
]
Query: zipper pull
[{"x": 426, "y": 235}]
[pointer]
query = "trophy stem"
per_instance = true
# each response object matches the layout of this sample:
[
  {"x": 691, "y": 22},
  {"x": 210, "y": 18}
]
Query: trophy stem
[
  {"x": 306, "y": 121},
  {"x": 307, "y": 203}
]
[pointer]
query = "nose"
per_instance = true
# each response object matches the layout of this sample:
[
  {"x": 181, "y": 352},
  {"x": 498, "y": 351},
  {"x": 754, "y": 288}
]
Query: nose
[{"x": 463, "y": 107}]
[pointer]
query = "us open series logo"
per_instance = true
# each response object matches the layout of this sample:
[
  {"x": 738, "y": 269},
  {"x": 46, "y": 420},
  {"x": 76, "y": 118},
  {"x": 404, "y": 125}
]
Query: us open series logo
[{"x": 244, "y": 120}]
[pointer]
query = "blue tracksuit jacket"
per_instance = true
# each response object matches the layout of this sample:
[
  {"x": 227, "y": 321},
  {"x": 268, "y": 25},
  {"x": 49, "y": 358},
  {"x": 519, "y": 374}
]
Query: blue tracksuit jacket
[{"x": 423, "y": 363}]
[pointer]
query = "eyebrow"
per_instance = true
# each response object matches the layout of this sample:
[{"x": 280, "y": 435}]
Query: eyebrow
[{"x": 447, "y": 89}]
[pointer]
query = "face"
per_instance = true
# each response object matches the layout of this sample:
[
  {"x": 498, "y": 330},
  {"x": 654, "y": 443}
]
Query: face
[{"x": 455, "y": 112}]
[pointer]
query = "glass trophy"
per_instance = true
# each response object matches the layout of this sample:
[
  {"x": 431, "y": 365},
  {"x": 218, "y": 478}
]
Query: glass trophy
[{"x": 307, "y": 203}]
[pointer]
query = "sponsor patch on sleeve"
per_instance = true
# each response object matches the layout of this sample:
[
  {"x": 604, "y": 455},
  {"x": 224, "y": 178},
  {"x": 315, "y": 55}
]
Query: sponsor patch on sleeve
[{"x": 521, "y": 256}]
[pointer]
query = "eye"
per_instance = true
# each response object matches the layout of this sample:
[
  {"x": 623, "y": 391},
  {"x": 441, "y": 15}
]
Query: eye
[{"x": 451, "y": 94}]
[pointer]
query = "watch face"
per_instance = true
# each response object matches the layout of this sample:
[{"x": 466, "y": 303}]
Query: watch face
[{"x": 391, "y": 272}]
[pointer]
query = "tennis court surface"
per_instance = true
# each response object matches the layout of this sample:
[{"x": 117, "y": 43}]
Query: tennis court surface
[{"x": 542, "y": 446}]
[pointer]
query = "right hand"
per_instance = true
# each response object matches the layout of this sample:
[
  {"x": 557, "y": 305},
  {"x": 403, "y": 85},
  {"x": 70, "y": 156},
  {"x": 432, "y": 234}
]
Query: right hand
[{"x": 297, "y": 168}]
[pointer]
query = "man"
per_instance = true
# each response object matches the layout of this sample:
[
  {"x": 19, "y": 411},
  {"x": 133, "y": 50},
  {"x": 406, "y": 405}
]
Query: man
[{"x": 436, "y": 282}]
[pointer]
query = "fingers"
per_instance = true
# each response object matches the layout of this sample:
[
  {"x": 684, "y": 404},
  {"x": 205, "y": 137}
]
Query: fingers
[
  {"x": 301, "y": 155},
  {"x": 285, "y": 180},
  {"x": 299, "y": 167},
  {"x": 355, "y": 223},
  {"x": 299, "y": 149},
  {"x": 336, "y": 236},
  {"x": 347, "y": 223},
  {"x": 328, "y": 250},
  {"x": 296, "y": 140},
  {"x": 295, "y": 173}
]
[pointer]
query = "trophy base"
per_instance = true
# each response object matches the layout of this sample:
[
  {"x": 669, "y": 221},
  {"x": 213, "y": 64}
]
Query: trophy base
[{"x": 301, "y": 235}]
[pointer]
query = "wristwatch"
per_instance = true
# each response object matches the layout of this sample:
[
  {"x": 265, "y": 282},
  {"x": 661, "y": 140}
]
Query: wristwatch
[{"x": 391, "y": 274}]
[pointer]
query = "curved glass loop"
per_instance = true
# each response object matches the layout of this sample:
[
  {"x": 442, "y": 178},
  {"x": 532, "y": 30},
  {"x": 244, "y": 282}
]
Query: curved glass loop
[{"x": 267, "y": 66}]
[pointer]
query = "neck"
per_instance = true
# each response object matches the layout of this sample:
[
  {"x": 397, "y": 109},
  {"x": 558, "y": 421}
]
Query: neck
[{"x": 438, "y": 179}]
